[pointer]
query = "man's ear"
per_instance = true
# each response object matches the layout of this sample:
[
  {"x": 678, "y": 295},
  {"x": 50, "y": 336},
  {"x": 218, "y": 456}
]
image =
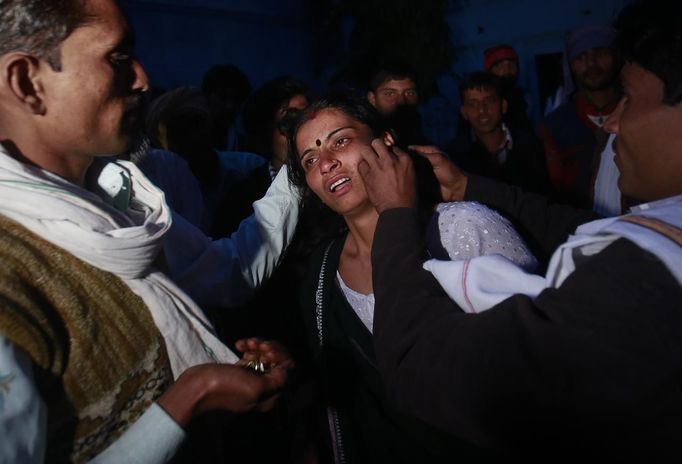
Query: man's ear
[
  {"x": 505, "y": 105},
  {"x": 372, "y": 99},
  {"x": 21, "y": 78}
]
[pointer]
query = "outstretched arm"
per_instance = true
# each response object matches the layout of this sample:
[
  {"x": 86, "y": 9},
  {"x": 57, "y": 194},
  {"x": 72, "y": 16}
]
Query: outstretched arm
[
  {"x": 235, "y": 388},
  {"x": 542, "y": 222},
  {"x": 225, "y": 272},
  {"x": 156, "y": 435}
]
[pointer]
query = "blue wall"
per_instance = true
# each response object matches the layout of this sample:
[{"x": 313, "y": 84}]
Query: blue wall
[
  {"x": 179, "y": 39},
  {"x": 532, "y": 27}
]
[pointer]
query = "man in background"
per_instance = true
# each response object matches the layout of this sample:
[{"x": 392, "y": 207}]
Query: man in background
[
  {"x": 493, "y": 148},
  {"x": 503, "y": 62},
  {"x": 571, "y": 132}
]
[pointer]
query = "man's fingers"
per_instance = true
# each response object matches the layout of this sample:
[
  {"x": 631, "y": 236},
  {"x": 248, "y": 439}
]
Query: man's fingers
[
  {"x": 364, "y": 169},
  {"x": 436, "y": 159},
  {"x": 384, "y": 153},
  {"x": 430, "y": 152},
  {"x": 370, "y": 157},
  {"x": 401, "y": 155},
  {"x": 248, "y": 344},
  {"x": 424, "y": 149}
]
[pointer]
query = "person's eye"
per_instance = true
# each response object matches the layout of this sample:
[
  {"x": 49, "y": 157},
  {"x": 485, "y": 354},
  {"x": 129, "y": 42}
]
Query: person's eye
[
  {"x": 309, "y": 162},
  {"x": 389, "y": 93},
  {"x": 411, "y": 93},
  {"x": 120, "y": 58},
  {"x": 341, "y": 142}
]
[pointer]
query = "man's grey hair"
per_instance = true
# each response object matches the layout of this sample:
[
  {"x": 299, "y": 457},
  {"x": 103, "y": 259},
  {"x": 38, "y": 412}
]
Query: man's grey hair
[{"x": 38, "y": 27}]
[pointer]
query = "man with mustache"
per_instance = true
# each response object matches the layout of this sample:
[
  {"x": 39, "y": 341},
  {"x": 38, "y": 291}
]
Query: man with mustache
[
  {"x": 101, "y": 355},
  {"x": 571, "y": 132},
  {"x": 589, "y": 365}
]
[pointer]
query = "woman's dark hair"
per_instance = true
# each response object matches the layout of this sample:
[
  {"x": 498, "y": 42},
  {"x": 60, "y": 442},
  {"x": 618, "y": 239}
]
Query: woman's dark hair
[{"x": 318, "y": 222}]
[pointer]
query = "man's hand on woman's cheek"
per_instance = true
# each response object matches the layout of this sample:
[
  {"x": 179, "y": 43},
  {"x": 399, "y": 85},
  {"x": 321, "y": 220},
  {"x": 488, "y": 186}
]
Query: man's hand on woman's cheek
[{"x": 389, "y": 177}]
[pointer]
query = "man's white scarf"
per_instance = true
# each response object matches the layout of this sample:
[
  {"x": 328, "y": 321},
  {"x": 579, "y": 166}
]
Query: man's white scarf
[{"x": 123, "y": 243}]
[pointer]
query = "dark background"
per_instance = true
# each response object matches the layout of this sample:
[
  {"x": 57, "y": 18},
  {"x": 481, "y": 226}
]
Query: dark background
[{"x": 334, "y": 42}]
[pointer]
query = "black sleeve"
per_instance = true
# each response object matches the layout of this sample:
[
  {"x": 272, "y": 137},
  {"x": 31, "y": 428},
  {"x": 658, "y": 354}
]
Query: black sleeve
[
  {"x": 582, "y": 360},
  {"x": 543, "y": 224}
]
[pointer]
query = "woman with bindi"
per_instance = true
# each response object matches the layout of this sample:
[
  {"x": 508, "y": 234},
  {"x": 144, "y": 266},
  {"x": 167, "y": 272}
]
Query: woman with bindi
[{"x": 327, "y": 144}]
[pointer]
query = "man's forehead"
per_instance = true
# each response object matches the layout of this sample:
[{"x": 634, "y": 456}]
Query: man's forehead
[
  {"x": 398, "y": 83},
  {"x": 107, "y": 13},
  {"x": 479, "y": 92},
  {"x": 593, "y": 50}
]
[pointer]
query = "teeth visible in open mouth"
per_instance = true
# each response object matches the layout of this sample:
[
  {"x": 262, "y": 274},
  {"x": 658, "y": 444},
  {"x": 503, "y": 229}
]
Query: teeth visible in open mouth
[{"x": 335, "y": 185}]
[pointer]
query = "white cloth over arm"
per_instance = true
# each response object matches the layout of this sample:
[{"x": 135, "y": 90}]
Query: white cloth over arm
[
  {"x": 22, "y": 411},
  {"x": 490, "y": 261},
  {"x": 480, "y": 283},
  {"x": 152, "y": 439},
  {"x": 171, "y": 173},
  {"x": 226, "y": 272}
]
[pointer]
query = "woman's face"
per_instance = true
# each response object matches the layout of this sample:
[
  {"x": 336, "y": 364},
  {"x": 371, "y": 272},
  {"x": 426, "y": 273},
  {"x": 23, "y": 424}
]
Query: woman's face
[{"x": 329, "y": 148}]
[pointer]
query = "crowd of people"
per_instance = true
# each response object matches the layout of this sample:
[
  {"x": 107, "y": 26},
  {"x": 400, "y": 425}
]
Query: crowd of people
[{"x": 222, "y": 273}]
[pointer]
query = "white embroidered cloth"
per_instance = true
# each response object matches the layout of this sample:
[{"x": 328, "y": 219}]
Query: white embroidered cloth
[
  {"x": 477, "y": 284},
  {"x": 489, "y": 258},
  {"x": 468, "y": 229}
]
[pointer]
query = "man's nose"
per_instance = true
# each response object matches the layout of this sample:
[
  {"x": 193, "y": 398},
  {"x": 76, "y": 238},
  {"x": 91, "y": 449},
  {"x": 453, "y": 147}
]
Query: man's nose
[{"x": 141, "y": 80}]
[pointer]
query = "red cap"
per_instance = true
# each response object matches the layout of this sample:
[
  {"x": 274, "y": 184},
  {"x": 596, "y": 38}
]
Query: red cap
[{"x": 494, "y": 55}]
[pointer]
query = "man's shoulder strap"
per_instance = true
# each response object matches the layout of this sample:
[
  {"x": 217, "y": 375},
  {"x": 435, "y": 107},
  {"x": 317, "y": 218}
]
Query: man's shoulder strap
[{"x": 668, "y": 230}]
